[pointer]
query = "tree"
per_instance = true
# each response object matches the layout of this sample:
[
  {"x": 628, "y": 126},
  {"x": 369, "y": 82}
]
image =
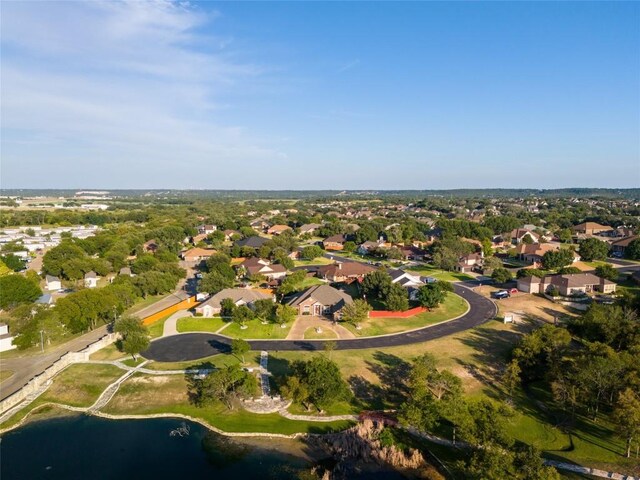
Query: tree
[
  {"x": 632, "y": 251},
  {"x": 214, "y": 282},
  {"x": 16, "y": 289},
  {"x": 355, "y": 313},
  {"x": 492, "y": 262},
  {"x": 626, "y": 416},
  {"x": 511, "y": 377},
  {"x": 295, "y": 389},
  {"x": 607, "y": 271},
  {"x": 376, "y": 284},
  {"x": 12, "y": 261},
  {"x": 397, "y": 299},
  {"x": 264, "y": 309},
  {"x": 431, "y": 295},
  {"x": 227, "y": 307},
  {"x": 239, "y": 347},
  {"x": 556, "y": 259},
  {"x": 311, "y": 252},
  {"x": 226, "y": 385},
  {"x": 565, "y": 235},
  {"x": 285, "y": 314},
  {"x": 321, "y": 377},
  {"x": 241, "y": 315},
  {"x": 502, "y": 275},
  {"x": 134, "y": 334},
  {"x": 593, "y": 249}
]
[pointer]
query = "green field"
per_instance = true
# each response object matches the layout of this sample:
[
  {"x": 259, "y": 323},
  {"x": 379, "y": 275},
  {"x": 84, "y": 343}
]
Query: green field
[
  {"x": 311, "y": 334},
  {"x": 452, "y": 307},
  {"x": 315, "y": 261},
  {"x": 256, "y": 329},
  {"x": 434, "y": 272},
  {"x": 200, "y": 324}
]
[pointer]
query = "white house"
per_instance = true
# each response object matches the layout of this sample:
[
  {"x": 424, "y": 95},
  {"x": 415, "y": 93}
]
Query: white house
[
  {"x": 91, "y": 279},
  {"x": 52, "y": 283},
  {"x": 6, "y": 339}
]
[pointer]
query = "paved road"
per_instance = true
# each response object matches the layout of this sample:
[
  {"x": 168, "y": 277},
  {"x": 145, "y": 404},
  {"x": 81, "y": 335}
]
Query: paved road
[
  {"x": 27, "y": 367},
  {"x": 192, "y": 346}
]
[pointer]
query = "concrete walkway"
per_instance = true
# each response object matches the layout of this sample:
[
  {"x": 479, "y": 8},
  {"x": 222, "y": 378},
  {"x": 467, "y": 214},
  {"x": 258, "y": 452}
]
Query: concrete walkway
[
  {"x": 171, "y": 323},
  {"x": 305, "y": 322}
]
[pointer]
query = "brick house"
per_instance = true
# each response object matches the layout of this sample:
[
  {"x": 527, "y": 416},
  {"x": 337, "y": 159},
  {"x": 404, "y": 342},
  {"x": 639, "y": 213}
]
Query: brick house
[
  {"x": 567, "y": 285},
  {"x": 341, "y": 272},
  {"x": 321, "y": 300}
]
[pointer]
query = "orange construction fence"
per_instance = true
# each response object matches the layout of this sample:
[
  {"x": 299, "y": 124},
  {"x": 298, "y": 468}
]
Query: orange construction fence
[
  {"x": 183, "y": 305},
  {"x": 389, "y": 314}
]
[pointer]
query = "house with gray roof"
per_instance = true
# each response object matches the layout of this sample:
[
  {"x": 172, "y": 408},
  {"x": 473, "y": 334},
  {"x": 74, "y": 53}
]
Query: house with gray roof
[
  {"x": 321, "y": 300},
  {"x": 240, "y": 296}
]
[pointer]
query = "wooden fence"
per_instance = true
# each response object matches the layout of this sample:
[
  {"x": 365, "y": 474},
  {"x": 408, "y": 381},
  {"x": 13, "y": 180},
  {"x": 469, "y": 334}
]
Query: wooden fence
[
  {"x": 183, "y": 305},
  {"x": 390, "y": 314}
]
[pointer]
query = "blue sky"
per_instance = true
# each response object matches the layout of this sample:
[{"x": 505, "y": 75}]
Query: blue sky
[{"x": 320, "y": 95}]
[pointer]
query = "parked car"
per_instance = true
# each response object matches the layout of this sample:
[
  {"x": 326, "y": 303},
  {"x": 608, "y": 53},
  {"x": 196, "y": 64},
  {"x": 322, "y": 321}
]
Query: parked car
[{"x": 500, "y": 294}]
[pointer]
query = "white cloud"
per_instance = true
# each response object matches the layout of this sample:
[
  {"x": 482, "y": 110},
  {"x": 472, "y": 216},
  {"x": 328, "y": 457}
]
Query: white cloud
[{"x": 135, "y": 87}]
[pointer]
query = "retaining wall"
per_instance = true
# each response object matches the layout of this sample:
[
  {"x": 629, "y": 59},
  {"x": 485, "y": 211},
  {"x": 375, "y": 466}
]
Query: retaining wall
[{"x": 56, "y": 367}]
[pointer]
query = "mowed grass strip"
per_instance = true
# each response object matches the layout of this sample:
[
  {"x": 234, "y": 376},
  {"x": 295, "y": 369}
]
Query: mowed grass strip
[
  {"x": 149, "y": 394},
  {"x": 325, "y": 334},
  {"x": 200, "y": 324},
  {"x": 429, "y": 271},
  {"x": 452, "y": 307}
]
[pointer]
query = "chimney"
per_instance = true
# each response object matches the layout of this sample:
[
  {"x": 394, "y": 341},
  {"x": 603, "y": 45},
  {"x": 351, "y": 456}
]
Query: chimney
[{"x": 339, "y": 266}]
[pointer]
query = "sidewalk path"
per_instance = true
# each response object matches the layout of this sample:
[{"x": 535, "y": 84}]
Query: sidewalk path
[{"x": 171, "y": 323}]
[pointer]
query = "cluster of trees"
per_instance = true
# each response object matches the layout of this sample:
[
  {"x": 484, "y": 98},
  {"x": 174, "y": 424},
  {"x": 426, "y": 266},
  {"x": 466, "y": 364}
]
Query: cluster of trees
[
  {"x": 435, "y": 396},
  {"x": 228, "y": 385},
  {"x": 264, "y": 310},
  {"x": 134, "y": 335},
  {"x": 603, "y": 374},
  {"x": 18, "y": 289},
  {"x": 593, "y": 249},
  {"x": 315, "y": 382},
  {"x": 448, "y": 250},
  {"x": 219, "y": 274},
  {"x": 378, "y": 286}
]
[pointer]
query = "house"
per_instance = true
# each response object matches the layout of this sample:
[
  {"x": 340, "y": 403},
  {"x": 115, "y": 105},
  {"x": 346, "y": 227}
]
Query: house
[
  {"x": 91, "y": 279},
  {"x": 150, "y": 246},
  {"x": 258, "y": 266},
  {"x": 341, "y": 272},
  {"x": 468, "y": 263},
  {"x": 197, "y": 254},
  {"x": 411, "y": 252},
  {"x": 621, "y": 232},
  {"x": 404, "y": 278},
  {"x": 6, "y": 339},
  {"x": 519, "y": 234},
  {"x": 45, "y": 299},
  {"x": 259, "y": 224},
  {"x": 334, "y": 242},
  {"x": 230, "y": 233},
  {"x": 206, "y": 229},
  {"x": 240, "y": 296},
  {"x": 567, "y": 285},
  {"x": 278, "y": 229},
  {"x": 309, "y": 228},
  {"x": 201, "y": 237},
  {"x": 52, "y": 283},
  {"x": 619, "y": 246},
  {"x": 367, "y": 247},
  {"x": 125, "y": 271},
  {"x": 591, "y": 228},
  {"x": 252, "y": 242},
  {"x": 321, "y": 300},
  {"x": 533, "y": 253}
]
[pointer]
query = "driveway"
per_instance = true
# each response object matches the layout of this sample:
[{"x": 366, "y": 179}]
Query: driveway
[{"x": 192, "y": 346}]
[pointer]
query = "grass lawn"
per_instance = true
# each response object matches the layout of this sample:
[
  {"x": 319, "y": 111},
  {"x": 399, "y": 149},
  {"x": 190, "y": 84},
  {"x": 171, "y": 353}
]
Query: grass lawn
[
  {"x": 311, "y": 334},
  {"x": 429, "y": 271},
  {"x": 145, "y": 394},
  {"x": 80, "y": 385},
  {"x": 308, "y": 282},
  {"x": 110, "y": 352},
  {"x": 157, "y": 327},
  {"x": 5, "y": 375},
  {"x": 145, "y": 303},
  {"x": 315, "y": 261},
  {"x": 452, "y": 307},
  {"x": 200, "y": 324},
  {"x": 255, "y": 329}
]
